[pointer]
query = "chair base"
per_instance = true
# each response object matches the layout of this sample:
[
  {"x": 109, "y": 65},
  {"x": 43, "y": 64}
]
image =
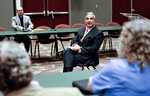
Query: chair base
[{"x": 85, "y": 65}]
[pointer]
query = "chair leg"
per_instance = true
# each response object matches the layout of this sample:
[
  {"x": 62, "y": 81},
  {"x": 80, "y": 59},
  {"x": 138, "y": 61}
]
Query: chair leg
[
  {"x": 62, "y": 45},
  {"x": 35, "y": 50},
  {"x": 104, "y": 44},
  {"x": 94, "y": 67},
  {"x": 82, "y": 68},
  {"x": 110, "y": 43},
  {"x": 88, "y": 67},
  {"x": 38, "y": 51},
  {"x": 31, "y": 48},
  {"x": 52, "y": 49}
]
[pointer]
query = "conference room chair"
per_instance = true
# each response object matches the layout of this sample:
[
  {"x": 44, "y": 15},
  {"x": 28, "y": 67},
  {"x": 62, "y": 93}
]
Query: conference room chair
[
  {"x": 99, "y": 25},
  {"x": 106, "y": 37},
  {"x": 2, "y": 37},
  {"x": 43, "y": 39},
  {"x": 78, "y": 25},
  {"x": 85, "y": 65},
  {"x": 63, "y": 36},
  {"x": 112, "y": 34}
]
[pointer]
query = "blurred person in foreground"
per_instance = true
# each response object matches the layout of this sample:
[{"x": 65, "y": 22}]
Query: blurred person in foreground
[
  {"x": 16, "y": 74},
  {"x": 128, "y": 75},
  {"x": 22, "y": 22},
  {"x": 84, "y": 49}
]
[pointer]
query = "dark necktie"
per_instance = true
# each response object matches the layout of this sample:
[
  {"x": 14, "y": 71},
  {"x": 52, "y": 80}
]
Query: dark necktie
[{"x": 21, "y": 20}]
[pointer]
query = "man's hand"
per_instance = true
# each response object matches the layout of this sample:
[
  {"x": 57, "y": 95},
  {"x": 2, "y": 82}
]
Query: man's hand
[
  {"x": 29, "y": 28},
  {"x": 20, "y": 28},
  {"x": 76, "y": 47}
]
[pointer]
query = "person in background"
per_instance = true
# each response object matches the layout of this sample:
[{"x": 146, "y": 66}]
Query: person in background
[
  {"x": 16, "y": 74},
  {"x": 129, "y": 74},
  {"x": 84, "y": 49},
  {"x": 21, "y": 23}
]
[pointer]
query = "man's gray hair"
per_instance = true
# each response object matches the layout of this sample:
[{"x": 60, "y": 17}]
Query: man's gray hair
[
  {"x": 15, "y": 71},
  {"x": 90, "y": 13}
]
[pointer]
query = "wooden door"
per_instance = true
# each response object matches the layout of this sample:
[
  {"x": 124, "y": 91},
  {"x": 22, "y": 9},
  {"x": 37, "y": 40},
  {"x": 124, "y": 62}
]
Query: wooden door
[{"x": 41, "y": 11}]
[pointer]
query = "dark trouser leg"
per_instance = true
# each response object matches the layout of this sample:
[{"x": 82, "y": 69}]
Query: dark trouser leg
[
  {"x": 68, "y": 59},
  {"x": 27, "y": 42}
]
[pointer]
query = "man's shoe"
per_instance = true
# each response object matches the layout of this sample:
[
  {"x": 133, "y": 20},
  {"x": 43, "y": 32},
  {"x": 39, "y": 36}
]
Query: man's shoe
[{"x": 67, "y": 69}]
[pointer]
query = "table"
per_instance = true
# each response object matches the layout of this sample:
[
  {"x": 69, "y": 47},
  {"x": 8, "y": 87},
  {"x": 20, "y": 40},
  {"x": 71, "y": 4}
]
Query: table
[
  {"x": 48, "y": 31},
  {"x": 64, "y": 79}
]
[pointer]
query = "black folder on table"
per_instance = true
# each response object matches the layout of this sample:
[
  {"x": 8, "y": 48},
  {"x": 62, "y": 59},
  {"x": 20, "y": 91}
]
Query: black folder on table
[{"x": 82, "y": 85}]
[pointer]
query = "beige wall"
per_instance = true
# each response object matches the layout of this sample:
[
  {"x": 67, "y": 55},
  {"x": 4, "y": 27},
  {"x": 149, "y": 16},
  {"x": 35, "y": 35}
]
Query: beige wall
[
  {"x": 80, "y": 7},
  {"x": 6, "y": 12}
]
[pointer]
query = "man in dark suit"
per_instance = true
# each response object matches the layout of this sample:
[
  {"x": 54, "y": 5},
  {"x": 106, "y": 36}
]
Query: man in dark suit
[
  {"x": 19, "y": 23},
  {"x": 84, "y": 49}
]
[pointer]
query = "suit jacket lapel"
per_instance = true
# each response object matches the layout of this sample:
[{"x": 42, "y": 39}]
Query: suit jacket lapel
[
  {"x": 24, "y": 20},
  {"x": 18, "y": 21},
  {"x": 87, "y": 36}
]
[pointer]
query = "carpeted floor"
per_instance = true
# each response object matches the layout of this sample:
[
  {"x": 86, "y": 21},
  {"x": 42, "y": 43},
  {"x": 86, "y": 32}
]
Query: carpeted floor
[{"x": 48, "y": 64}]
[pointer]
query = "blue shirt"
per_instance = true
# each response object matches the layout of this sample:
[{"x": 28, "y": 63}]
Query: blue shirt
[{"x": 119, "y": 78}]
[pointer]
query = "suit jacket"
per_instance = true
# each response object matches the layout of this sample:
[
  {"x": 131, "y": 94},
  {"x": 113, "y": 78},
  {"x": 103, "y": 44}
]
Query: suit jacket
[
  {"x": 36, "y": 90},
  {"x": 26, "y": 22},
  {"x": 90, "y": 45}
]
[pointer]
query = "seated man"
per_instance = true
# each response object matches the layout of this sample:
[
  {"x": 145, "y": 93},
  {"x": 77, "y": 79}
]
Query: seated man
[
  {"x": 16, "y": 74},
  {"x": 19, "y": 23},
  {"x": 128, "y": 75},
  {"x": 85, "y": 47}
]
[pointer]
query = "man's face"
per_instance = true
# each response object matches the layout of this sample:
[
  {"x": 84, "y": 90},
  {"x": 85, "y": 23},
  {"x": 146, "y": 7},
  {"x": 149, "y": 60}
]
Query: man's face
[
  {"x": 20, "y": 11},
  {"x": 89, "y": 21}
]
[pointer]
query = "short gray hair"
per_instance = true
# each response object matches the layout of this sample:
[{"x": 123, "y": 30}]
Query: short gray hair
[
  {"x": 90, "y": 13},
  {"x": 15, "y": 64}
]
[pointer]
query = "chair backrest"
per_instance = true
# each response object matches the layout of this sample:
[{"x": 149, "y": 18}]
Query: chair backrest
[
  {"x": 78, "y": 25},
  {"x": 113, "y": 31},
  {"x": 62, "y": 26},
  {"x": 2, "y": 29},
  {"x": 43, "y": 36},
  {"x": 113, "y": 24},
  {"x": 43, "y": 27},
  {"x": 99, "y": 25}
]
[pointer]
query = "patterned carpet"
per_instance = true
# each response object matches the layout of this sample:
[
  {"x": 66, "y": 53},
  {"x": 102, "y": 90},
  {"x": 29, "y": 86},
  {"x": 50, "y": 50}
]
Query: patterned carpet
[{"x": 48, "y": 64}]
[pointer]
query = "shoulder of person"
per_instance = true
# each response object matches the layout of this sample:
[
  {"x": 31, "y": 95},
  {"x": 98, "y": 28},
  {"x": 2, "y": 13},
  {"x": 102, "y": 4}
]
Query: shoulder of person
[
  {"x": 119, "y": 63},
  {"x": 14, "y": 17},
  {"x": 26, "y": 16}
]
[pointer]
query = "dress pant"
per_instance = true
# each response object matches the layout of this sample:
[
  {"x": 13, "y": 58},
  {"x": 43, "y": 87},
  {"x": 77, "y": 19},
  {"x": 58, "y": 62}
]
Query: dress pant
[
  {"x": 25, "y": 39},
  {"x": 70, "y": 59}
]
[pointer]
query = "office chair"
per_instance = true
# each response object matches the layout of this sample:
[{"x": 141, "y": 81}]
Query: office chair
[
  {"x": 63, "y": 36},
  {"x": 99, "y": 25},
  {"x": 43, "y": 39},
  {"x": 78, "y": 25},
  {"x": 112, "y": 34},
  {"x": 2, "y": 37}
]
